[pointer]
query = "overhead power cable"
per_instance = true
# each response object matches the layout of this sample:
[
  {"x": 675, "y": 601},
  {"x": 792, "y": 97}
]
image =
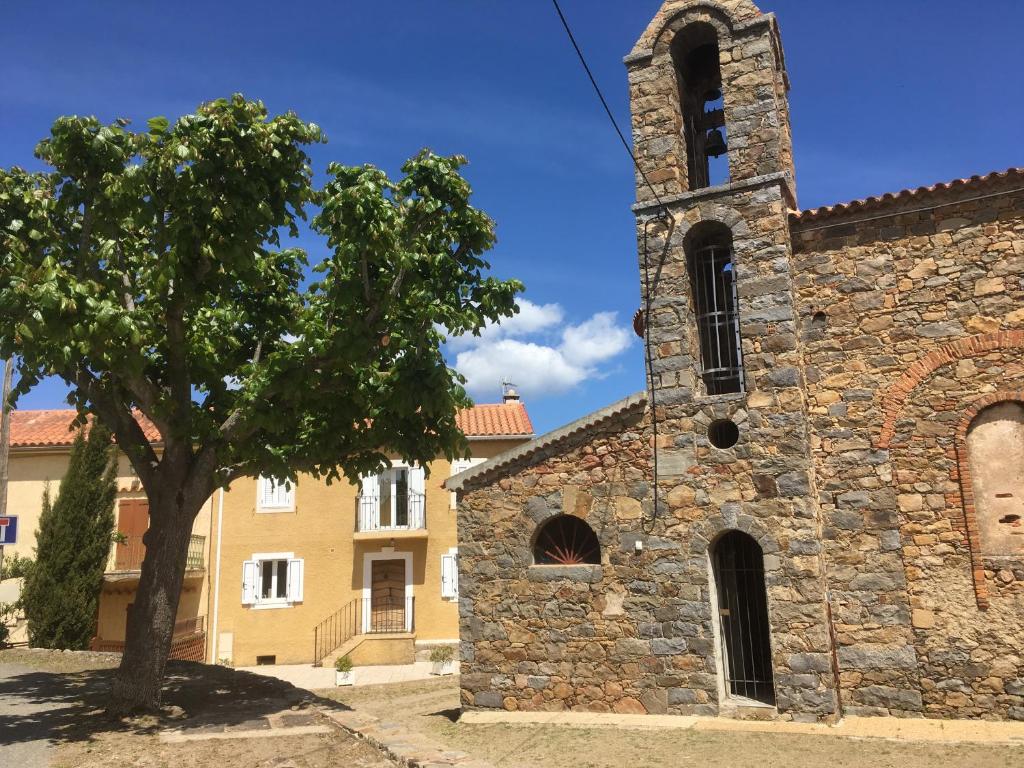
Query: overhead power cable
[{"x": 664, "y": 215}]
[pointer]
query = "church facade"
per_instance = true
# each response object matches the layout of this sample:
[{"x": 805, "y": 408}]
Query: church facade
[{"x": 816, "y": 507}]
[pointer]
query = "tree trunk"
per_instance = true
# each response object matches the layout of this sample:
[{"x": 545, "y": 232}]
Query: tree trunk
[{"x": 137, "y": 686}]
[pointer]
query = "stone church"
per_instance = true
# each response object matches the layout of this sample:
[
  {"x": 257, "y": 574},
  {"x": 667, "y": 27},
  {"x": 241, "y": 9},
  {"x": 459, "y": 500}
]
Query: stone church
[{"x": 816, "y": 507}]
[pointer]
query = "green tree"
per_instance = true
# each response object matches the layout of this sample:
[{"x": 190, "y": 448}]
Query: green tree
[
  {"x": 62, "y": 590},
  {"x": 147, "y": 271}
]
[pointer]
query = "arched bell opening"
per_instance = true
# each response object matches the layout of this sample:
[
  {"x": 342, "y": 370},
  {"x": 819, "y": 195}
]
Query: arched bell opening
[
  {"x": 738, "y": 566},
  {"x": 695, "y": 54}
]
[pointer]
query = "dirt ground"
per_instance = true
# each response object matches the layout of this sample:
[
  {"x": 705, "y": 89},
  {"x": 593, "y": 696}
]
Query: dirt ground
[
  {"x": 430, "y": 707},
  {"x": 199, "y": 699}
]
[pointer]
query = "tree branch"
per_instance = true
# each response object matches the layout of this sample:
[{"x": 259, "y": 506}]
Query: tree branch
[{"x": 129, "y": 434}]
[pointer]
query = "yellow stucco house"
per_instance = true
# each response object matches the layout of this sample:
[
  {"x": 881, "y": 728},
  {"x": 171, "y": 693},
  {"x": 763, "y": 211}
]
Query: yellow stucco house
[
  {"x": 309, "y": 571},
  {"x": 288, "y": 573}
]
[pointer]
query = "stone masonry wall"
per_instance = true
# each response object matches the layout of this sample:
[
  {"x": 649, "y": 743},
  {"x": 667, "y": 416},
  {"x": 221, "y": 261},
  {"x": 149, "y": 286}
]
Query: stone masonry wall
[
  {"x": 635, "y": 634},
  {"x": 906, "y": 321}
]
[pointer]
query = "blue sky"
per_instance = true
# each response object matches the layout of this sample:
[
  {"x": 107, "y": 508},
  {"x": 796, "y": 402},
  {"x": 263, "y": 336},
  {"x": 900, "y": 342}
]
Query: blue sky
[{"x": 885, "y": 95}]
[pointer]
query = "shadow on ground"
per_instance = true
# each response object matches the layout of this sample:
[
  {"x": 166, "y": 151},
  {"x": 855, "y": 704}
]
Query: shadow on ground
[{"x": 69, "y": 706}]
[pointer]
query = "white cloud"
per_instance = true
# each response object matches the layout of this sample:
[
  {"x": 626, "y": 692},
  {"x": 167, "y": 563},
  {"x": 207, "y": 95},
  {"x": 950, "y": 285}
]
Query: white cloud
[
  {"x": 535, "y": 352},
  {"x": 532, "y": 318}
]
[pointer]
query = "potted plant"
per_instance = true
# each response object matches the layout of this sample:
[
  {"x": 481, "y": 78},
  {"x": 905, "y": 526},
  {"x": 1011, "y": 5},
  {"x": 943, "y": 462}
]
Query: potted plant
[
  {"x": 343, "y": 674},
  {"x": 443, "y": 659}
]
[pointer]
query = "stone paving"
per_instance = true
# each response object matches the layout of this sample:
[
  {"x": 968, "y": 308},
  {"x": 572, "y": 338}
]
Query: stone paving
[
  {"x": 402, "y": 744},
  {"x": 316, "y": 678}
]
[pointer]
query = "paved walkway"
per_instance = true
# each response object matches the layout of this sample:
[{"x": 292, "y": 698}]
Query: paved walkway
[
  {"x": 28, "y": 700},
  {"x": 890, "y": 728},
  {"x": 314, "y": 678}
]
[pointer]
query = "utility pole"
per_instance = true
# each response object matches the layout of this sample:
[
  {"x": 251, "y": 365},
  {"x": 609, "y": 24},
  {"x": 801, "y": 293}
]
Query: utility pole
[{"x": 5, "y": 440}]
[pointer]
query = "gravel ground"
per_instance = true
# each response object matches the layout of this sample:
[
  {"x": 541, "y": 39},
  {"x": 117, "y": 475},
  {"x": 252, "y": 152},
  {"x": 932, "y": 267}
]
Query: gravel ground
[
  {"x": 432, "y": 706},
  {"x": 51, "y": 714}
]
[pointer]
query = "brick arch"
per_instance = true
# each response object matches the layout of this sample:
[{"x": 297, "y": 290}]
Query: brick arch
[
  {"x": 895, "y": 397},
  {"x": 960, "y": 473}
]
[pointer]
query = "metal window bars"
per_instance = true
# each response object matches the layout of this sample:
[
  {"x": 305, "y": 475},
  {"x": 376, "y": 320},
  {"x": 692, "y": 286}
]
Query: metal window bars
[
  {"x": 743, "y": 613},
  {"x": 717, "y": 314}
]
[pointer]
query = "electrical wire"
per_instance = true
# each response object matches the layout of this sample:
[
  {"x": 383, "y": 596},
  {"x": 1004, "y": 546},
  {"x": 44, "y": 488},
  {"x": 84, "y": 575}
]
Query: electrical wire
[{"x": 664, "y": 215}]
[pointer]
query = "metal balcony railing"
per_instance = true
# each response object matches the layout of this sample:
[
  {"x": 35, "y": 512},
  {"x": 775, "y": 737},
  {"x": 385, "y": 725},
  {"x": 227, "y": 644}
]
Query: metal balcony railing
[
  {"x": 196, "y": 553},
  {"x": 399, "y": 512},
  {"x": 128, "y": 554}
]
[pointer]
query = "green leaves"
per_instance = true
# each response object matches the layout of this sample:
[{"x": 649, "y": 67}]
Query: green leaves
[
  {"x": 148, "y": 265},
  {"x": 158, "y": 125}
]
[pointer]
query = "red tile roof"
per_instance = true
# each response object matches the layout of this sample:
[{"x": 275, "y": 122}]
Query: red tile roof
[
  {"x": 41, "y": 429},
  {"x": 870, "y": 203},
  {"x": 495, "y": 420},
  {"x": 44, "y": 429}
]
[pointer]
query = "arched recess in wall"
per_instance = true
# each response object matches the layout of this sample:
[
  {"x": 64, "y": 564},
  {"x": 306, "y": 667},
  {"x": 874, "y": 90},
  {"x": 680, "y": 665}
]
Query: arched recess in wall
[
  {"x": 990, "y": 470},
  {"x": 695, "y": 56},
  {"x": 566, "y": 540},
  {"x": 995, "y": 450},
  {"x": 709, "y": 258}
]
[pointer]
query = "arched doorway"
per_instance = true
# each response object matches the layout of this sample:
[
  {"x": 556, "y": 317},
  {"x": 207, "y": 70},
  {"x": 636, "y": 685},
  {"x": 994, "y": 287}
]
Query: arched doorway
[{"x": 738, "y": 565}]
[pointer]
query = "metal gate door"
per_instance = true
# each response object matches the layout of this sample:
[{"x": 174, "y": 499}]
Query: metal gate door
[{"x": 743, "y": 611}]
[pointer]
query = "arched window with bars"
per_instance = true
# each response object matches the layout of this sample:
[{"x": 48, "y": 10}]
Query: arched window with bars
[
  {"x": 566, "y": 540},
  {"x": 716, "y": 307}
]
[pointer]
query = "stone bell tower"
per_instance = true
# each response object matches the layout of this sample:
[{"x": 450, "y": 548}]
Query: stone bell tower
[{"x": 715, "y": 186}]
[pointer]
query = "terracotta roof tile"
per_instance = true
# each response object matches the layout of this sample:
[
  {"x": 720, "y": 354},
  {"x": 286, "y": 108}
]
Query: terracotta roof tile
[
  {"x": 870, "y": 203},
  {"x": 495, "y": 420},
  {"x": 42, "y": 429}
]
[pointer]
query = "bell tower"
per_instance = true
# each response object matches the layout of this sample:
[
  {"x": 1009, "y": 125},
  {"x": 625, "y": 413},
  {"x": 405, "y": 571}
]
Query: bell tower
[{"x": 715, "y": 185}]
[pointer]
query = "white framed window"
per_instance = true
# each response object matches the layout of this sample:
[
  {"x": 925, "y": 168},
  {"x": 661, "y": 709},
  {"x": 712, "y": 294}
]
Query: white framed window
[
  {"x": 394, "y": 499},
  {"x": 450, "y": 574},
  {"x": 272, "y": 580},
  {"x": 461, "y": 465},
  {"x": 273, "y": 495}
]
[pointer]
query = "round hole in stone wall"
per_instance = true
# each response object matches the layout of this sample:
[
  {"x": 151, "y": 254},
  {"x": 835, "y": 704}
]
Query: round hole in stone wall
[
  {"x": 723, "y": 433},
  {"x": 819, "y": 321}
]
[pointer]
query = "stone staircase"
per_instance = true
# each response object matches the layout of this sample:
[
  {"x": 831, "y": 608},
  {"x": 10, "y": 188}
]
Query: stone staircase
[{"x": 376, "y": 649}]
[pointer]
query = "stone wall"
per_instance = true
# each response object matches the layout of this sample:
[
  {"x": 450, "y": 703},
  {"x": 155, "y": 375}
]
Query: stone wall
[
  {"x": 907, "y": 321},
  {"x": 637, "y": 633}
]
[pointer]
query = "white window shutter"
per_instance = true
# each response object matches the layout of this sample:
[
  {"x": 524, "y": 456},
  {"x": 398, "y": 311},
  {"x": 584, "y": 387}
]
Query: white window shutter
[
  {"x": 449, "y": 576},
  {"x": 249, "y": 579},
  {"x": 295, "y": 580},
  {"x": 371, "y": 486},
  {"x": 286, "y": 494},
  {"x": 461, "y": 465},
  {"x": 266, "y": 492},
  {"x": 417, "y": 480}
]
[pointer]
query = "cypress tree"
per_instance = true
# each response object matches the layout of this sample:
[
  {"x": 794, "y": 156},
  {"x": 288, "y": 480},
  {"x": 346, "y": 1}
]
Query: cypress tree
[{"x": 61, "y": 594}]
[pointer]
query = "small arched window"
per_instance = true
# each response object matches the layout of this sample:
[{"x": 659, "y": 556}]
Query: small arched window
[
  {"x": 995, "y": 446},
  {"x": 566, "y": 540},
  {"x": 696, "y": 57},
  {"x": 713, "y": 280}
]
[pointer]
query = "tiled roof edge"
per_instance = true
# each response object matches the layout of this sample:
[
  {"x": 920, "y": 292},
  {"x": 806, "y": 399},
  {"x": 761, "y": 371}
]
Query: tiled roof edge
[
  {"x": 876, "y": 201},
  {"x": 455, "y": 482}
]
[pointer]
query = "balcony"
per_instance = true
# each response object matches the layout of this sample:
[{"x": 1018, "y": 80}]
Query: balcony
[
  {"x": 126, "y": 556},
  {"x": 400, "y": 515}
]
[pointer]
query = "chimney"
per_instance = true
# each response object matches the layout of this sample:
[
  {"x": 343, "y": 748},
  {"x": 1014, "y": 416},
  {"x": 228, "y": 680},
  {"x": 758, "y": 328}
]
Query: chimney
[{"x": 509, "y": 394}]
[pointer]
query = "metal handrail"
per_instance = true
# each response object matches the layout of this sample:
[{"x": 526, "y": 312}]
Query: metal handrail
[{"x": 385, "y": 613}]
